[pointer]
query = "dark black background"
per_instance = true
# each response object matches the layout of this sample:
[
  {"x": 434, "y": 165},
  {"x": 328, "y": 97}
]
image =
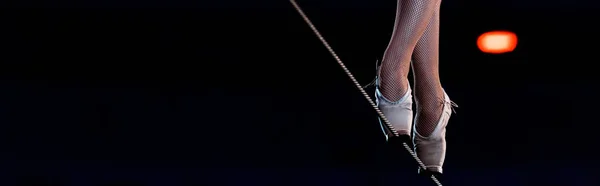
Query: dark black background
[{"x": 243, "y": 93}]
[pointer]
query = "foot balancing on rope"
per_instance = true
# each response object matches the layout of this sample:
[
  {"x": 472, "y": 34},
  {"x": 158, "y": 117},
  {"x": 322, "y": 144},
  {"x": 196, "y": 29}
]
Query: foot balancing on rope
[{"x": 415, "y": 42}]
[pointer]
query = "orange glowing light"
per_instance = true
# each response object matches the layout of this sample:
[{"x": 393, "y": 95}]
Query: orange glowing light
[{"x": 497, "y": 42}]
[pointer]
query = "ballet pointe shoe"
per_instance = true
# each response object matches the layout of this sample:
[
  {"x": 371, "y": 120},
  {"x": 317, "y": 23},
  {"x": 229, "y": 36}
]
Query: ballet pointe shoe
[
  {"x": 398, "y": 113},
  {"x": 432, "y": 149}
]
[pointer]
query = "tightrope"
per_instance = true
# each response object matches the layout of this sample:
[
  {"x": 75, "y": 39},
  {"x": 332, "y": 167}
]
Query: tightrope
[{"x": 360, "y": 88}]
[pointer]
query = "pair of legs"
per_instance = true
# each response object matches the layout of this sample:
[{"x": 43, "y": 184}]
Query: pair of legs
[{"x": 415, "y": 38}]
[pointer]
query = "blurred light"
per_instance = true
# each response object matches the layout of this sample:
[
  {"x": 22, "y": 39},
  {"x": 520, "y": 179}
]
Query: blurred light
[{"x": 497, "y": 42}]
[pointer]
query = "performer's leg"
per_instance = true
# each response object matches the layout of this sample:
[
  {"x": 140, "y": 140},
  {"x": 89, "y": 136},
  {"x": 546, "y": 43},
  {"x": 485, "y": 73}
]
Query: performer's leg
[
  {"x": 433, "y": 105},
  {"x": 412, "y": 17},
  {"x": 428, "y": 92}
]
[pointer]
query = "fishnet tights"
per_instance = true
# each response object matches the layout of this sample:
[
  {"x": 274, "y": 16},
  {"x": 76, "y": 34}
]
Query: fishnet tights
[{"x": 416, "y": 36}]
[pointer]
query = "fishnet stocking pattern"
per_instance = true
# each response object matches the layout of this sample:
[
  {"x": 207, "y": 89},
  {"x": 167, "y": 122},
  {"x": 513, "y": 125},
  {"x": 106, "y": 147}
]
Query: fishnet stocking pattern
[
  {"x": 429, "y": 94},
  {"x": 412, "y": 18}
]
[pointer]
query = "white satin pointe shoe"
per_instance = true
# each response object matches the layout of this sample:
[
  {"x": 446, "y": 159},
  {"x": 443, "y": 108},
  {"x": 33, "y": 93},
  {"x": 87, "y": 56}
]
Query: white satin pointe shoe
[
  {"x": 432, "y": 149},
  {"x": 399, "y": 113}
]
